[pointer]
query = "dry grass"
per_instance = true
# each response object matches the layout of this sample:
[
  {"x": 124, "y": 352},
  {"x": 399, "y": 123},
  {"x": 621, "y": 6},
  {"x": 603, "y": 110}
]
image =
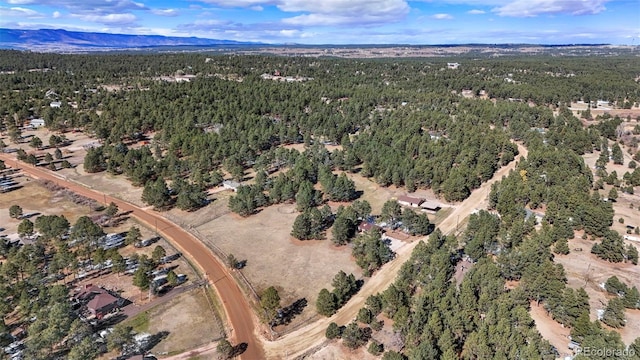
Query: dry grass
[{"x": 188, "y": 319}]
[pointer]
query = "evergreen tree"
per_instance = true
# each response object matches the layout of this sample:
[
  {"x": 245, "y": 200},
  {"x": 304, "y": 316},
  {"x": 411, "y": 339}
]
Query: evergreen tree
[
  {"x": 326, "y": 303},
  {"x": 94, "y": 160},
  {"x": 133, "y": 235},
  {"x": 614, "y": 313},
  {"x": 371, "y": 252},
  {"x": 25, "y": 228},
  {"x": 306, "y": 197},
  {"x": 156, "y": 193},
  {"x": 391, "y": 212},
  {"x": 344, "y": 286},
  {"x": 225, "y": 349},
  {"x": 616, "y": 154},
  {"x": 333, "y": 331},
  {"x": 561, "y": 247},
  {"x": 353, "y": 336},
  {"x": 270, "y": 302},
  {"x": 632, "y": 254},
  {"x": 632, "y": 298},
  {"x": 15, "y": 211}
]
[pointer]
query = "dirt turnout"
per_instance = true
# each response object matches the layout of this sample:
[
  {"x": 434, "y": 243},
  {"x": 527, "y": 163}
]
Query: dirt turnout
[{"x": 236, "y": 307}]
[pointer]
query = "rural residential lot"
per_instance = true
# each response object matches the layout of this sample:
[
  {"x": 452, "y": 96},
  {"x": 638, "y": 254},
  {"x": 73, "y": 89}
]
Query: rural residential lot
[{"x": 423, "y": 208}]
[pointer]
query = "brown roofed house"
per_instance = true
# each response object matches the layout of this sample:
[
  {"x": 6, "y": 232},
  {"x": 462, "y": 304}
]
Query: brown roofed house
[
  {"x": 366, "y": 226},
  {"x": 410, "y": 201},
  {"x": 102, "y": 304}
]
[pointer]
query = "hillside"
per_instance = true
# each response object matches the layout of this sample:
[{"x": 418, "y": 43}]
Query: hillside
[{"x": 57, "y": 39}]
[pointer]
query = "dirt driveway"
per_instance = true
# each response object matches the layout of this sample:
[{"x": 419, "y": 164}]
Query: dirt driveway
[{"x": 311, "y": 336}]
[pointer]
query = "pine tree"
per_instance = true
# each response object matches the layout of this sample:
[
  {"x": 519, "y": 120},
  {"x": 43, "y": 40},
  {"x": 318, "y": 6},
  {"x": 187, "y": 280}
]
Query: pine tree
[
  {"x": 562, "y": 246},
  {"x": 326, "y": 303},
  {"x": 302, "y": 227},
  {"x": 632, "y": 254},
  {"x": 306, "y": 196},
  {"x": 614, "y": 313},
  {"x": 225, "y": 349},
  {"x": 333, "y": 331},
  {"x": 616, "y": 154},
  {"x": 156, "y": 193},
  {"x": 270, "y": 302}
]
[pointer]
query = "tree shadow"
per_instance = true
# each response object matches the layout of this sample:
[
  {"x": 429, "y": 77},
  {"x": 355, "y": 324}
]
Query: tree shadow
[
  {"x": 155, "y": 340},
  {"x": 241, "y": 264},
  {"x": 116, "y": 221},
  {"x": 288, "y": 313},
  {"x": 239, "y": 349}
]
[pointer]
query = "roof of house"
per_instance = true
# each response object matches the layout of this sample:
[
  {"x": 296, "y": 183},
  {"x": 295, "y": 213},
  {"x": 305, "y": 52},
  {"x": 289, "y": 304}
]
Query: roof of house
[
  {"x": 231, "y": 183},
  {"x": 101, "y": 300},
  {"x": 430, "y": 205},
  {"x": 89, "y": 290},
  {"x": 410, "y": 199},
  {"x": 366, "y": 226}
]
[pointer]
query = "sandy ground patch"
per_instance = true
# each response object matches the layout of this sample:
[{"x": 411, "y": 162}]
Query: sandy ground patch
[
  {"x": 585, "y": 270},
  {"x": 300, "y": 147},
  {"x": 335, "y": 351},
  {"x": 74, "y": 153},
  {"x": 377, "y": 195},
  {"x": 35, "y": 198},
  {"x": 298, "y": 269},
  {"x": 187, "y": 318},
  {"x": 551, "y": 330}
]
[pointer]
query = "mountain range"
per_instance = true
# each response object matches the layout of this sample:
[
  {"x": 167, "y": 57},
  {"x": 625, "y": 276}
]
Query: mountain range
[{"x": 59, "y": 39}]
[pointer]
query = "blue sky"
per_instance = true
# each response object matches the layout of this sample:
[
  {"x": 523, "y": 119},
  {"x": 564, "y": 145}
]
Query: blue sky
[{"x": 342, "y": 21}]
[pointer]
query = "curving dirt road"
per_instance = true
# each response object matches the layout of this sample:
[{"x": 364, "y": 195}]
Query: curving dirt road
[
  {"x": 238, "y": 311},
  {"x": 312, "y": 336}
]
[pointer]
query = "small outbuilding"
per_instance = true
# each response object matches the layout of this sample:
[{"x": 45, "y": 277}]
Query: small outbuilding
[
  {"x": 36, "y": 123},
  {"x": 430, "y": 207},
  {"x": 231, "y": 185},
  {"x": 410, "y": 201}
]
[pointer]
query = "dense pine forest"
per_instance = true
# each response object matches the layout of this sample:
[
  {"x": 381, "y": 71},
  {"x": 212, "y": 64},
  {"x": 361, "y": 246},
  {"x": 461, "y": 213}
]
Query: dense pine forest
[{"x": 411, "y": 123}]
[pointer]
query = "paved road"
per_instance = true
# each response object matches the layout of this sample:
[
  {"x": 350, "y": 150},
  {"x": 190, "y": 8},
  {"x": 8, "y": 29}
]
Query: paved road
[{"x": 238, "y": 311}]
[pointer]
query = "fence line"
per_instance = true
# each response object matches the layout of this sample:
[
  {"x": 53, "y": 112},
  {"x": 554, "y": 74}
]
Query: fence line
[
  {"x": 222, "y": 256},
  {"x": 237, "y": 274}
]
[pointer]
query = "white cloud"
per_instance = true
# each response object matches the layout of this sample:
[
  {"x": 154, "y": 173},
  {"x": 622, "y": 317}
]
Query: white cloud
[
  {"x": 476, "y": 12},
  {"x": 93, "y": 7},
  {"x": 442, "y": 17},
  {"x": 20, "y": 2},
  {"x": 530, "y": 8},
  {"x": 239, "y": 3},
  {"x": 18, "y": 12},
  {"x": 165, "y": 12},
  {"x": 289, "y": 33},
  {"x": 108, "y": 19},
  {"x": 329, "y": 12}
]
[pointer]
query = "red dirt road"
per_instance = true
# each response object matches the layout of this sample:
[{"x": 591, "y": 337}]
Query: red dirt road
[{"x": 238, "y": 312}]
